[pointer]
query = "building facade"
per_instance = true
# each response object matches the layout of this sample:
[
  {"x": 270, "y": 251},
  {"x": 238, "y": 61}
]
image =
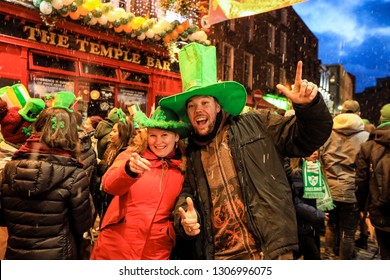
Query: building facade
[
  {"x": 261, "y": 51},
  {"x": 372, "y": 99},
  {"x": 341, "y": 86}
]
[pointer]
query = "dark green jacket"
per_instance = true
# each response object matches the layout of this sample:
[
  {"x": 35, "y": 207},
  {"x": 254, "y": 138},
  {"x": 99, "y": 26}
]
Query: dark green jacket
[{"x": 259, "y": 142}]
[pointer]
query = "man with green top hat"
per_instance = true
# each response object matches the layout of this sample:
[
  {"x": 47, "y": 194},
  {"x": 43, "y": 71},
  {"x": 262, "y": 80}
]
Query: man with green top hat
[{"x": 236, "y": 201}]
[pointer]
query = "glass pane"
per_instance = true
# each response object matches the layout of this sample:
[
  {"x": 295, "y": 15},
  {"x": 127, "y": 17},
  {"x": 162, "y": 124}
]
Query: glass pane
[
  {"x": 135, "y": 77},
  {"x": 99, "y": 70},
  {"x": 128, "y": 97},
  {"x": 54, "y": 62}
]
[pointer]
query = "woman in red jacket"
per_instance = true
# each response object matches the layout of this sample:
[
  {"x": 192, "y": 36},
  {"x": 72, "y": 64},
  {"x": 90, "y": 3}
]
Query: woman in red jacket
[{"x": 146, "y": 179}]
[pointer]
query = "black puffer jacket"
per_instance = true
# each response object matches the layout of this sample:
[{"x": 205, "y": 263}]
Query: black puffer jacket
[
  {"x": 370, "y": 153},
  {"x": 259, "y": 141},
  {"x": 45, "y": 204},
  {"x": 102, "y": 134}
]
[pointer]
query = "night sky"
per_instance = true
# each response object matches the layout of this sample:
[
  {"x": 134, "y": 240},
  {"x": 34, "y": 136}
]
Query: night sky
[{"x": 354, "y": 33}]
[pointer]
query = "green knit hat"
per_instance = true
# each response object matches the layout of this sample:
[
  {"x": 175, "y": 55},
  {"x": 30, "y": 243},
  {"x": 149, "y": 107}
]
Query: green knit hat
[
  {"x": 64, "y": 100},
  {"x": 198, "y": 69},
  {"x": 385, "y": 114},
  {"x": 163, "y": 118},
  {"x": 32, "y": 109}
]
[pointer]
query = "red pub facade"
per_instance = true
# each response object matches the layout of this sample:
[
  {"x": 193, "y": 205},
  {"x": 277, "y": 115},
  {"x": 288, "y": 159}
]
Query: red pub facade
[{"x": 103, "y": 69}]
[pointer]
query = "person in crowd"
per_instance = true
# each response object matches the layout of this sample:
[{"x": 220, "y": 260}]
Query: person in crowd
[
  {"x": 90, "y": 126},
  {"x": 92, "y": 122},
  {"x": 307, "y": 179},
  {"x": 45, "y": 181},
  {"x": 146, "y": 180},
  {"x": 235, "y": 178},
  {"x": 87, "y": 153},
  {"x": 6, "y": 152},
  {"x": 364, "y": 234},
  {"x": 373, "y": 181},
  {"x": 16, "y": 123},
  {"x": 88, "y": 158},
  {"x": 16, "y": 127},
  {"x": 338, "y": 156},
  {"x": 103, "y": 129},
  {"x": 120, "y": 136}
]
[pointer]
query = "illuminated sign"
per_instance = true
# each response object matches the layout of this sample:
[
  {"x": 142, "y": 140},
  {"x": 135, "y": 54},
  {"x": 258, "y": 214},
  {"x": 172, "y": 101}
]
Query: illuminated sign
[
  {"x": 279, "y": 101},
  {"x": 77, "y": 42}
]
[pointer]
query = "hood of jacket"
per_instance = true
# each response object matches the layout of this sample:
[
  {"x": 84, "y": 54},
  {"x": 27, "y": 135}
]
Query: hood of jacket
[
  {"x": 104, "y": 127},
  {"x": 381, "y": 135},
  {"x": 85, "y": 140},
  {"x": 348, "y": 124}
]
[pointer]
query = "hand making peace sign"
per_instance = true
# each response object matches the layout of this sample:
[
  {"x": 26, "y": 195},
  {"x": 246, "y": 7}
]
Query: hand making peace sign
[
  {"x": 189, "y": 219},
  {"x": 303, "y": 92}
]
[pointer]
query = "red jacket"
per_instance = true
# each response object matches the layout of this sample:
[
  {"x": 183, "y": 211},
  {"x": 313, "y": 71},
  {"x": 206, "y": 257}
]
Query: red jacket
[{"x": 138, "y": 223}]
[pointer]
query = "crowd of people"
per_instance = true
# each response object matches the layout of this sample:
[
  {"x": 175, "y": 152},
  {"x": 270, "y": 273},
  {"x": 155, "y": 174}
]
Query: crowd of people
[{"x": 198, "y": 179}]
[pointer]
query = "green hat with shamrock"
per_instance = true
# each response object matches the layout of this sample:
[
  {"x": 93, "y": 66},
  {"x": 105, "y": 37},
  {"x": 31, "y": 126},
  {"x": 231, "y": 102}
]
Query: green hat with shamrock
[
  {"x": 165, "y": 119},
  {"x": 64, "y": 100},
  {"x": 198, "y": 69},
  {"x": 32, "y": 109}
]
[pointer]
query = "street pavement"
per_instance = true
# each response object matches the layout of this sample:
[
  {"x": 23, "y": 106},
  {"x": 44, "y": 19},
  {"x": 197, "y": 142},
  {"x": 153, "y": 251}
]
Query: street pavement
[{"x": 371, "y": 253}]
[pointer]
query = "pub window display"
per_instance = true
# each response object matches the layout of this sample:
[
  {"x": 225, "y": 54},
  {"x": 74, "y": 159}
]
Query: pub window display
[{"x": 102, "y": 100}]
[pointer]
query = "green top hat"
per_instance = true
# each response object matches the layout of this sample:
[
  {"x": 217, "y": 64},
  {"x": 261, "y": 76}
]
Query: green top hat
[
  {"x": 32, "y": 109},
  {"x": 198, "y": 69},
  {"x": 64, "y": 100},
  {"x": 163, "y": 118}
]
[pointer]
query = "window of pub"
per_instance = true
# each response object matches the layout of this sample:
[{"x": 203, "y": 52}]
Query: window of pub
[
  {"x": 7, "y": 82},
  {"x": 101, "y": 98},
  {"x": 50, "y": 73},
  {"x": 100, "y": 91},
  {"x": 128, "y": 97},
  {"x": 43, "y": 61},
  {"x": 39, "y": 86},
  {"x": 129, "y": 76}
]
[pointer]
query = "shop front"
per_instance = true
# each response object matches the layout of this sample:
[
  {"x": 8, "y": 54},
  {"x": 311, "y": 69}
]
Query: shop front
[{"x": 103, "y": 69}]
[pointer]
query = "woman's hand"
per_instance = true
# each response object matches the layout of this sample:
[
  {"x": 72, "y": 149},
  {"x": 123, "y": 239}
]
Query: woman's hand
[
  {"x": 138, "y": 164},
  {"x": 189, "y": 219}
]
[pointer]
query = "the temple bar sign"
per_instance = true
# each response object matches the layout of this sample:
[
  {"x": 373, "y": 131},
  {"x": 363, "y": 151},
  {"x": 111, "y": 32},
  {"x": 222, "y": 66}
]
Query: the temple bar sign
[{"x": 70, "y": 41}]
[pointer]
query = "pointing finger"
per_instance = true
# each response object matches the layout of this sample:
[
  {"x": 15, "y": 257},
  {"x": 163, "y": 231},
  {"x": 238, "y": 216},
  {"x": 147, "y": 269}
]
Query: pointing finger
[
  {"x": 144, "y": 164},
  {"x": 298, "y": 74}
]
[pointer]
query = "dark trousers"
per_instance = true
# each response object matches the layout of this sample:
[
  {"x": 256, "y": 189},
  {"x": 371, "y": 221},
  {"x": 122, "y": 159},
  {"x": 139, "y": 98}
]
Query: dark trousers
[
  {"x": 383, "y": 238},
  {"x": 343, "y": 221},
  {"x": 309, "y": 245}
]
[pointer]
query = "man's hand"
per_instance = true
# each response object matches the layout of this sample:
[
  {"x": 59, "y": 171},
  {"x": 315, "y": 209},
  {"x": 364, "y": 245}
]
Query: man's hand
[
  {"x": 303, "y": 92},
  {"x": 189, "y": 219}
]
